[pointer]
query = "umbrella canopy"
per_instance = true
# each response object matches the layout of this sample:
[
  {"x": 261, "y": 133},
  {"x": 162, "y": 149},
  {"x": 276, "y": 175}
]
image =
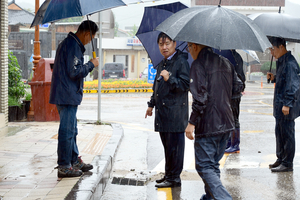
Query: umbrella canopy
[
  {"x": 216, "y": 27},
  {"x": 278, "y": 25},
  {"x": 53, "y": 10},
  {"x": 249, "y": 57},
  {"x": 152, "y": 17}
]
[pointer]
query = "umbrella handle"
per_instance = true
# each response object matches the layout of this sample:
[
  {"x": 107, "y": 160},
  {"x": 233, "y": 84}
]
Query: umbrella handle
[
  {"x": 94, "y": 53},
  {"x": 269, "y": 79}
]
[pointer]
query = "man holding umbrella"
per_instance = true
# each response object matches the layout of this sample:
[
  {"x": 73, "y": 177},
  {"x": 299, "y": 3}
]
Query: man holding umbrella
[
  {"x": 170, "y": 99},
  {"x": 66, "y": 92},
  {"x": 286, "y": 104},
  {"x": 212, "y": 83}
]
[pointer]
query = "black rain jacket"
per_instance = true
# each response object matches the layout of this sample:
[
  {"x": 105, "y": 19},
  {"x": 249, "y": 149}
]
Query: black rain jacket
[
  {"x": 170, "y": 98},
  {"x": 213, "y": 81},
  {"x": 287, "y": 87}
]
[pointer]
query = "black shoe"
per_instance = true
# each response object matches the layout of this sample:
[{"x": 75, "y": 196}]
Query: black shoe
[
  {"x": 68, "y": 172},
  {"x": 282, "y": 168},
  {"x": 275, "y": 164},
  {"x": 80, "y": 165},
  {"x": 160, "y": 180},
  {"x": 167, "y": 184}
]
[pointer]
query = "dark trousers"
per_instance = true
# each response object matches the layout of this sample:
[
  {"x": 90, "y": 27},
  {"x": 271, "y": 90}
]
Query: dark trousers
[
  {"x": 208, "y": 153},
  {"x": 285, "y": 141},
  {"x": 235, "y": 106},
  {"x": 174, "y": 152}
]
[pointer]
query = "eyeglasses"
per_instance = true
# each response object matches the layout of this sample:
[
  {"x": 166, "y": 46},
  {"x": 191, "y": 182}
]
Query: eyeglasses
[{"x": 188, "y": 48}]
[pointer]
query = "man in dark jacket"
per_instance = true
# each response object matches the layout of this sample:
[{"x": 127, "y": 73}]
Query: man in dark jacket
[
  {"x": 170, "y": 99},
  {"x": 286, "y": 104},
  {"x": 212, "y": 83},
  {"x": 233, "y": 144},
  {"x": 66, "y": 92}
]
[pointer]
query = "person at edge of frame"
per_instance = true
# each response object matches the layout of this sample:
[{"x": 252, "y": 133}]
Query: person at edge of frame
[{"x": 286, "y": 105}]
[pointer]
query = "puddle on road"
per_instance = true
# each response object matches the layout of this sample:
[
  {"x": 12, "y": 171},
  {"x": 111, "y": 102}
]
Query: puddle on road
[{"x": 11, "y": 130}]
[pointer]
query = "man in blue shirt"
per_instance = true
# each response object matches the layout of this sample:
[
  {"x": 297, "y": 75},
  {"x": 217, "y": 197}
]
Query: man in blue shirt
[
  {"x": 285, "y": 105},
  {"x": 66, "y": 92}
]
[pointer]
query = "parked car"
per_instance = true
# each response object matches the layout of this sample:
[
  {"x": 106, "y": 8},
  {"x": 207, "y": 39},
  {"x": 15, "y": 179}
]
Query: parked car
[
  {"x": 144, "y": 74},
  {"x": 114, "y": 70}
]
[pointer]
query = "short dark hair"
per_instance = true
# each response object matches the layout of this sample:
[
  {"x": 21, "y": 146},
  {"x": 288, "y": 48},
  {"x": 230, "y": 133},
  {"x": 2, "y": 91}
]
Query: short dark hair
[
  {"x": 277, "y": 41},
  {"x": 163, "y": 36},
  {"x": 88, "y": 25}
]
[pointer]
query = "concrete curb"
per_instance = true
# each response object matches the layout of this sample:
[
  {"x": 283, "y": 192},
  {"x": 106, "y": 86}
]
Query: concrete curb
[{"x": 92, "y": 184}]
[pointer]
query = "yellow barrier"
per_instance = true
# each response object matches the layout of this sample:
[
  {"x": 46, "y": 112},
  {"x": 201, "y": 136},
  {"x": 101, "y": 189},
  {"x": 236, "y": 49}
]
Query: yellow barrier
[{"x": 118, "y": 91}]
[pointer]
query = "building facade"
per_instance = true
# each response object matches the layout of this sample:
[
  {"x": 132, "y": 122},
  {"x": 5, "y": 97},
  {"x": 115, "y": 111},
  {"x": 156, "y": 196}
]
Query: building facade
[{"x": 3, "y": 64}]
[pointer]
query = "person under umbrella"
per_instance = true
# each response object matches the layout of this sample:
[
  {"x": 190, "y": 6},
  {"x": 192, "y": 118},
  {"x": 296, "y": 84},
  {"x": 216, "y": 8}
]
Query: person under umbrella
[
  {"x": 170, "y": 99},
  {"x": 286, "y": 104},
  {"x": 66, "y": 93},
  {"x": 233, "y": 144},
  {"x": 212, "y": 83}
]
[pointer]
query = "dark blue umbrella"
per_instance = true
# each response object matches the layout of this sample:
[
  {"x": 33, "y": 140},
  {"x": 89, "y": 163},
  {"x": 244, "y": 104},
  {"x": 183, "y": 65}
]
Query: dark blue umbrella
[
  {"x": 153, "y": 16},
  {"x": 227, "y": 54},
  {"x": 53, "y": 10}
]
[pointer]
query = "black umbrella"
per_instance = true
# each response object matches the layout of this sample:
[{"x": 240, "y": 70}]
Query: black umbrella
[
  {"x": 152, "y": 17},
  {"x": 216, "y": 27},
  {"x": 278, "y": 25}
]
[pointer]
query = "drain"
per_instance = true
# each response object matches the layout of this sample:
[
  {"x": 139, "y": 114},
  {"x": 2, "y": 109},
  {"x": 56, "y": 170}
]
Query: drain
[{"x": 128, "y": 181}]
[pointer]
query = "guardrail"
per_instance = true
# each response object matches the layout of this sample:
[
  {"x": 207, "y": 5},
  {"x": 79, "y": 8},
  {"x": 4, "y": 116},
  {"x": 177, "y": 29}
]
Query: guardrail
[{"x": 118, "y": 91}]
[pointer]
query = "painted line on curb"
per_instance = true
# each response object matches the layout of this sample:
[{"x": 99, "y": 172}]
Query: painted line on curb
[{"x": 119, "y": 91}]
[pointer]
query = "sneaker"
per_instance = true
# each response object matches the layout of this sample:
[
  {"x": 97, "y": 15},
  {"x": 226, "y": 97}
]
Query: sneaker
[
  {"x": 80, "y": 165},
  {"x": 68, "y": 172}
]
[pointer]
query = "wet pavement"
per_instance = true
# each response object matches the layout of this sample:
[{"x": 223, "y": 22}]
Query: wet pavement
[{"x": 28, "y": 155}]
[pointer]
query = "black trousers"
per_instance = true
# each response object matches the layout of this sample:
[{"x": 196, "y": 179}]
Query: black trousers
[
  {"x": 285, "y": 141},
  {"x": 174, "y": 152},
  {"x": 235, "y": 106}
]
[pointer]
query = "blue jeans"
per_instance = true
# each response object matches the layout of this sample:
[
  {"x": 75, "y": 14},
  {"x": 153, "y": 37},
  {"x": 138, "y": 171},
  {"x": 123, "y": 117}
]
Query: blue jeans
[
  {"x": 285, "y": 141},
  {"x": 208, "y": 152},
  {"x": 67, "y": 150},
  {"x": 174, "y": 152}
]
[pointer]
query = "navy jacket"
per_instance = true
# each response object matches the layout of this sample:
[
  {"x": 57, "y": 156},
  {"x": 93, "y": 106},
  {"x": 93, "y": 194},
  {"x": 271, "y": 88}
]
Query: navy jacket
[
  {"x": 68, "y": 72},
  {"x": 170, "y": 98},
  {"x": 287, "y": 87},
  {"x": 212, "y": 83}
]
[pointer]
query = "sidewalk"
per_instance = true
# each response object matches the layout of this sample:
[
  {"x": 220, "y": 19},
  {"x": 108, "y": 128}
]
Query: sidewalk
[{"x": 28, "y": 157}]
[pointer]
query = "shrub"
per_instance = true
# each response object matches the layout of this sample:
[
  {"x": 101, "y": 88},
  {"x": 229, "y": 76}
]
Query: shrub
[
  {"x": 12, "y": 101},
  {"x": 16, "y": 88},
  {"x": 266, "y": 67}
]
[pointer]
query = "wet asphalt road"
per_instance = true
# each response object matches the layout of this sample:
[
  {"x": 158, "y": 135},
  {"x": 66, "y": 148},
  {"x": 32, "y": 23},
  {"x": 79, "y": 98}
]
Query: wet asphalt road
[{"x": 246, "y": 175}]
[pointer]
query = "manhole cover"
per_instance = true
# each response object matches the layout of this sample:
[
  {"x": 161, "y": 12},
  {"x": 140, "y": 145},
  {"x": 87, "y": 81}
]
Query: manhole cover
[{"x": 127, "y": 181}]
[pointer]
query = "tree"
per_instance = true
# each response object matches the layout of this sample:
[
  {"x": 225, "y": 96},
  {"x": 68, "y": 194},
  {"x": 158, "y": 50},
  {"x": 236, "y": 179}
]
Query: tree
[
  {"x": 116, "y": 29},
  {"x": 133, "y": 31}
]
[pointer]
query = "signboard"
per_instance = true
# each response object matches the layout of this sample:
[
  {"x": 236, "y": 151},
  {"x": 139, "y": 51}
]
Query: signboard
[
  {"x": 15, "y": 44},
  {"x": 44, "y": 25},
  {"x": 134, "y": 42},
  {"x": 151, "y": 73}
]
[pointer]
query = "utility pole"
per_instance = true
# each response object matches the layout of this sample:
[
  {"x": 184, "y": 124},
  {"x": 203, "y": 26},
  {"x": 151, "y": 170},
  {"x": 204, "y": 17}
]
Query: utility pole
[{"x": 36, "y": 58}]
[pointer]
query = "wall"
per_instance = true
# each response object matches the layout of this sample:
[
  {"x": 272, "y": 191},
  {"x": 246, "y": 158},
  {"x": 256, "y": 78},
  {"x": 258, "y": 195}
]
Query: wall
[{"x": 3, "y": 64}]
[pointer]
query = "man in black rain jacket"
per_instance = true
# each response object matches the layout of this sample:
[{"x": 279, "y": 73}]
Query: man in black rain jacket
[
  {"x": 170, "y": 100},
  {"x": 212, "y": 83},
  {"x": 286, "y": 104}
]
